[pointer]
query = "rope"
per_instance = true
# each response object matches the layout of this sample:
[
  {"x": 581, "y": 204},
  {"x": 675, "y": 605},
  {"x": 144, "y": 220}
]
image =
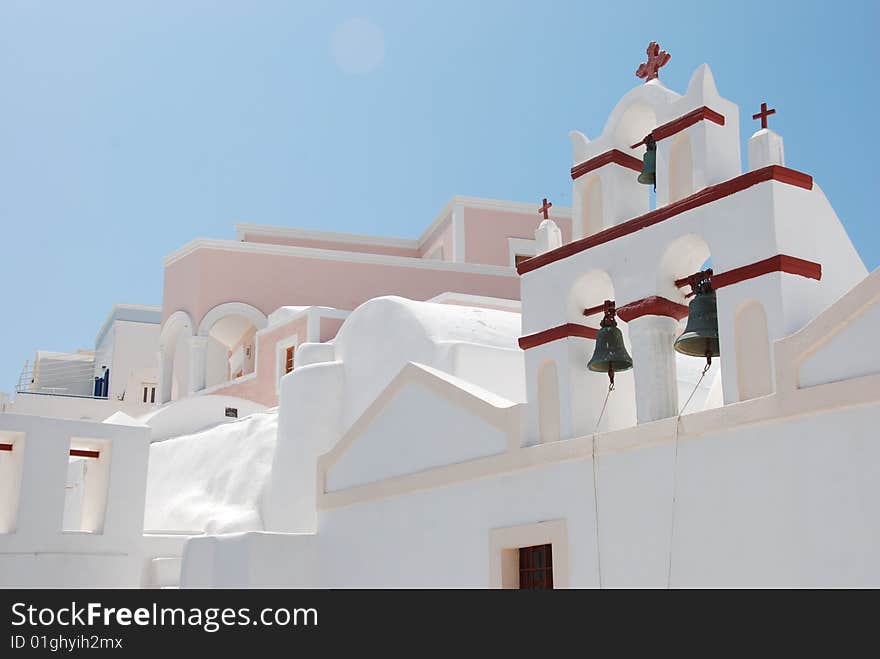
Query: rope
[
  {"x": 675, "y": 474},
  {"x": 596, "y": 482}
]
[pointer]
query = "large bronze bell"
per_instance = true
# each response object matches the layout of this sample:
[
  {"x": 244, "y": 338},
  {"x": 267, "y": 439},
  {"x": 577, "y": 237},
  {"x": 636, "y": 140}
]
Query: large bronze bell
[
  {"x": 610, "y": 355},
  {"x": 700, "y": 336},
  {"x": 649, "y": 162}
]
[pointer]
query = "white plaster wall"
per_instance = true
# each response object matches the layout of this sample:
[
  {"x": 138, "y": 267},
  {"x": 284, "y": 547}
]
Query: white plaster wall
[
  {"x": 37, "y": 552},
  {"x": 415, "y": 431},
  {"x": 852, "y": 352},
  {"x": 188, "y": 415},
  {"x": 789, "y": 503},
  {"x": 211, "y": 481},
  {"x": 499, "y": 370},
  {"x": 73, "y": 407},
  {"x": 134, "y": 349},
  {"x": 309, "y": 425}
]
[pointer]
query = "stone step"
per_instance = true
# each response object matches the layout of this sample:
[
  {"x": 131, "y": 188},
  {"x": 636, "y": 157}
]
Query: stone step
[{"x": 166, "y": 571}]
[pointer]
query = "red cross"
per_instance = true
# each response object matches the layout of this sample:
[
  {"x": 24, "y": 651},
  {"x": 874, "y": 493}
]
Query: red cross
[
  {"x": 763, "y": 114},
  {"x": 544, "y": 208},
  {"x": 656, "y": 58}
]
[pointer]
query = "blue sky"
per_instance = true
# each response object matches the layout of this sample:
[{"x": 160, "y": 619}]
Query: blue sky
[{"x": 129, "y": 128}]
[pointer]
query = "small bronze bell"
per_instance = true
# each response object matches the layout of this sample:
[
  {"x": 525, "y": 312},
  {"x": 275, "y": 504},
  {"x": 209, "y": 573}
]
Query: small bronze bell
[
  {"x": 700, "y": 336},
  {"x": 649, "y": 162},
  {"x": 610, "y": 354}
]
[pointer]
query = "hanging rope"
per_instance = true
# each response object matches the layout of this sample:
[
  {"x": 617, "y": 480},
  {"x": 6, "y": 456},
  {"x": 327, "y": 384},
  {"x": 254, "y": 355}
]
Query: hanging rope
[
  {"x": 596, "y": 481},
  {"x": 675, "y": 475}
]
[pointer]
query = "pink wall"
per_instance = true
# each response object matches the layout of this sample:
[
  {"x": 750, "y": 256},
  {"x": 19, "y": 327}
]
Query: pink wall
[
  {"x": 207, "y": 277},
  {"x": 261, "y": 389},
  {"x": 486, "y": 233},
  {"x": 330, "y": 328},
  {"x": 332, "y": 244},
  {"x": 440, "y": 236}
]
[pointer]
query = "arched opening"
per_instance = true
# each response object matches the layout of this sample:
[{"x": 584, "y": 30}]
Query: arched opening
[
  {"x": 681, "y": 168},
  {"x": 230, "y": 350},
  {"x": 685, "y": 256},
  {"x": 548, "y": 402},
  {"x": 588, "y": 388},
  {"x": 752, "y": 351},
  {"x": 591, "y": 206},
  {"x": 637, "y": 120},
  {"x": 174, "y": 357}
]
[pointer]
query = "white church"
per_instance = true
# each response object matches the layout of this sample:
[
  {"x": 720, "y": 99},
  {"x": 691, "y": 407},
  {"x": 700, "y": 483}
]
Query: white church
[{"x": 674, "y": 383}]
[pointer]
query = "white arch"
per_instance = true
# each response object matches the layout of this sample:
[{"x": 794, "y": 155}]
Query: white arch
[
  {"x": 683, "y": 256},
  {"x": 178, "y": 324},
  {"x": 178, "y": 321},
  {"x": 637, "y": 113},
  {"x": 251, "y": 313},
  {"x": 590, "y": 289}
]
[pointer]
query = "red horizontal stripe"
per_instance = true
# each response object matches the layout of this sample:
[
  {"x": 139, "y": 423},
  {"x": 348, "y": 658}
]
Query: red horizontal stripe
[
  {"x": 677, "y": 125},
  {"x": 613, "y": 156},
  {"x": 556, "y": 333},
  {"x": 687, "y": 120},
  {"x": 779, "y": 263},
  {"x": 5, "y": 447},
  {"x": 81, "y": 453},
  {"x": 701, "y": 198}
]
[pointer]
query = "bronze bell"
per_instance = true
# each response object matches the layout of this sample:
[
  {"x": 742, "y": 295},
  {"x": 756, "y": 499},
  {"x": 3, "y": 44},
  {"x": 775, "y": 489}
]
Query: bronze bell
[
  {"x": 610, "y": 354},
  {"x": 700, "y": 336},
  {"x": 649, "y": 162}
]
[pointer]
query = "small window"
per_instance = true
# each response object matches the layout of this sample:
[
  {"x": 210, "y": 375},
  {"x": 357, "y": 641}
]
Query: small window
[
  {"x": 519, "y": 258},
  {"x": 288, "y": 360},
  {"x": 232, "y": 412},
  {"x": 152, "y": 394},
  {"x": 146, "y": 390},
  {"x": 536, "y": 567}
]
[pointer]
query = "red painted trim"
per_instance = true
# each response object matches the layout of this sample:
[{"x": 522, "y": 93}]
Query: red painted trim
[
  {"x": 81, "y": 453},
  {"x": 613, "y": 156},
  {"x": 556, "y": 333},
  {"x": 677, "y": 125},
  {"x": 590, "y": 311},
  {"x": 701, "y": 198},
  {"x": 652, "y": 306},
  {"x": 670, "y": 128},
  {"x": 779, "y": 263}
]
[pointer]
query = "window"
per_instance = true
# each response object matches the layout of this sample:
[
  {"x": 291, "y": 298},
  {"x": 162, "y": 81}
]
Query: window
[
  {"x": 149, "y": 392},
  {"x": 536, "y": 567},
  {"x": 288, "y": 360},
  {"x": 232, "y": 412}
]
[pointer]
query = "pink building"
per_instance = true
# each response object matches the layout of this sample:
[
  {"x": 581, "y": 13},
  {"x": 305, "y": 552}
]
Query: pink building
[{"x": 234, "y": 311}]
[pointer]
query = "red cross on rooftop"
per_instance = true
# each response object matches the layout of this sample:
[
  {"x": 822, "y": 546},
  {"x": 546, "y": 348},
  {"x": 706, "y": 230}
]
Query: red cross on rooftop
[
  {"x": 656, "y": 58},
  {"x": 763, "y": 114},
  {"x": 544, "y": 208}
]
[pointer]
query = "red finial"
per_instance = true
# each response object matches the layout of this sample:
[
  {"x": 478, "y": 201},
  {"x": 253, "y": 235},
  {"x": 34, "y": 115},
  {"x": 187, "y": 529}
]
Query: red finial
[
  {"x": 763, "y": 114},
  {"x": 544, "y": 208},
  {"x": 656, "y": 58}
]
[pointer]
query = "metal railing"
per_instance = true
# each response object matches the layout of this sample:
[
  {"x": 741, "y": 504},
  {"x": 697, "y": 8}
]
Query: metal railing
[{"x": 76, "y": 378}]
